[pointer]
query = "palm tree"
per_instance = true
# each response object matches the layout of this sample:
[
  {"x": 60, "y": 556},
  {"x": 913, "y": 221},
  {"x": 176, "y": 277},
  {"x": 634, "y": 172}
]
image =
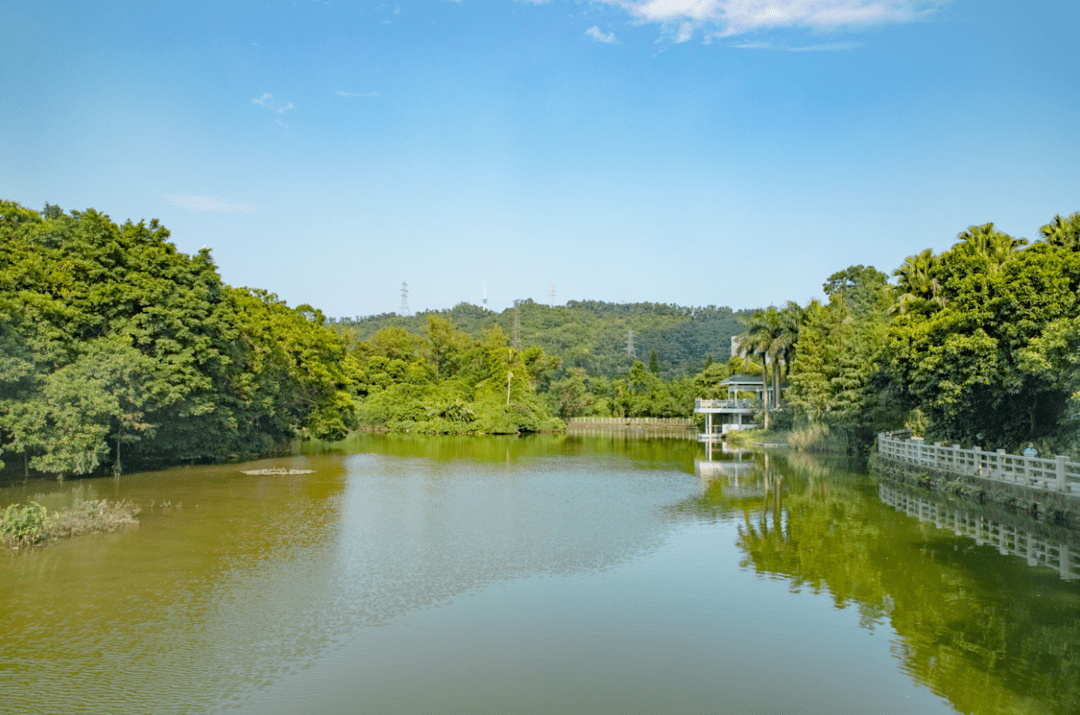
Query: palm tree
[
  {"x": 1063, "y": 232},
  {"x": 763, "y": 338},
  {"x": 996, "y": 246},
  {"x": 917, "y": 281},
  {"x": 791, "y": 318}
]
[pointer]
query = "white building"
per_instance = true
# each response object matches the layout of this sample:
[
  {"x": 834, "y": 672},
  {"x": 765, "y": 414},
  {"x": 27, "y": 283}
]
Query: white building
[{"x": 735, "y": 412}]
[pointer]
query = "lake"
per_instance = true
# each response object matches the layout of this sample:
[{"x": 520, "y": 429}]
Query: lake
[{"x": 544, "y": 574}]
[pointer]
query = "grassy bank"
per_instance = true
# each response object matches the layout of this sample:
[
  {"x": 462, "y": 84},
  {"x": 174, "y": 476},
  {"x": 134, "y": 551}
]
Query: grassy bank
[
  {"x": 814, "y": 437},
  {"x": 32, "y": 524}
]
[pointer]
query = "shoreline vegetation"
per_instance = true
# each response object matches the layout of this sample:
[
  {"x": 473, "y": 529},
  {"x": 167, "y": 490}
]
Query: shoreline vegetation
[
  {"x": 118, "y": 352},
  {"x": 812, "y": 437},
  {"x": 23, "y": 526},
  {"x": 976, "y": 345}
]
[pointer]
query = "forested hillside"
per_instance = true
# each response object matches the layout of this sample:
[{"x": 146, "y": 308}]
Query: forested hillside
[{"x": 590, "y": 334}]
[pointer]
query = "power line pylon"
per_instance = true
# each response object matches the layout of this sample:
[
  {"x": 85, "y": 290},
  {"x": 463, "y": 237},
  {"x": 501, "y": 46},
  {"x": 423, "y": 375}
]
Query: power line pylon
[
  {"x": 404, "y": 310},
  {"x": 551, "y": 296},
  {"x": 630, "y": 344}
]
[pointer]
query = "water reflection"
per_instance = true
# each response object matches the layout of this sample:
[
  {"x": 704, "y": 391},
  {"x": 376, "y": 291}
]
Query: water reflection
[
  {"x": 976, "y": 625},
  {"x": 200, "y": 599},
  {"x": 551, "y": 573},
  {"x": 1038, "y": 543},
  {"x": 255, "y": 577}
]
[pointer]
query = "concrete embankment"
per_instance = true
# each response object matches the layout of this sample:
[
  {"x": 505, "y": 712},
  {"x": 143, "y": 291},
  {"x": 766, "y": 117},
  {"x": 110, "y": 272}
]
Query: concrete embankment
[{"x": 1052, "y": 506}]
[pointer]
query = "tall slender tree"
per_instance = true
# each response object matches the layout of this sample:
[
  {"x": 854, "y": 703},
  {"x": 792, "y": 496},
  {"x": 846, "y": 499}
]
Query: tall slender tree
[{"x": 762, "y": 339}]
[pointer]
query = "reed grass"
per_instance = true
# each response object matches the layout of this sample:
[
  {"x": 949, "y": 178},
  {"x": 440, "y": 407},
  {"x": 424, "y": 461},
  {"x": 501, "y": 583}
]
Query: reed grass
[{"x": 32, "y": 524}]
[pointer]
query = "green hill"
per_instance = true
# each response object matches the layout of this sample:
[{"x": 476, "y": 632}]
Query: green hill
[{"x": 592, "y": 334}]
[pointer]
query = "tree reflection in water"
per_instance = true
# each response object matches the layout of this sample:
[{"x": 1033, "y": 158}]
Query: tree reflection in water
[{"x": 984, "y": 630}]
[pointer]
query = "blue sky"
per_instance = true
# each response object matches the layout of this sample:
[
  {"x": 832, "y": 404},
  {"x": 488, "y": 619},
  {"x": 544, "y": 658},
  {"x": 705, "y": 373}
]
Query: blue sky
[{"x": 726, "y": 152}]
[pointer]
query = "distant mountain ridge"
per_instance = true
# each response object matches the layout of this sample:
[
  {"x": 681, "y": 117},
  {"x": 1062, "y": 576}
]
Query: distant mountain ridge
[{"x": 592, "y": 334}]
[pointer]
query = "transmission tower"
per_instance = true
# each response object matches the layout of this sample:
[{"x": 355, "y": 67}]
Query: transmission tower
[
  {"x": 551, "y": 296},
  {"x": 630, "y": 344},
  {"x": 404, "y": 299},
  {"x": 516, "y": 339}
]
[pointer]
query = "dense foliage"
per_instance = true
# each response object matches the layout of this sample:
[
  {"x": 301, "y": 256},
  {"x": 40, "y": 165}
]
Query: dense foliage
[
  {"x": 979, "y": 344},
  {"x": 591, "y": 335},
  {"x": 985, "y": 339},
  {"x": 837, "y": 377},
  {"x": 445, "y": 382},
  {"x": 115, "y": 348}
]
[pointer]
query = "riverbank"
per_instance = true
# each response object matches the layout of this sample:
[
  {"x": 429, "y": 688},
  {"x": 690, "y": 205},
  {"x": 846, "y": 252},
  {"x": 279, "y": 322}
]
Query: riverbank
[
  {"x": 22, "y": 526},
  {"x": 816, "y": 437},
  {"x": 1051, "y": 506}
]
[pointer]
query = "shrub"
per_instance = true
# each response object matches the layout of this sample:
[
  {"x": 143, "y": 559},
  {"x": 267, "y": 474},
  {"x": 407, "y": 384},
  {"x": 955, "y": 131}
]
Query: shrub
[
  {"x": 29, "y": 525},
  {"x": 24, "y": 526}
]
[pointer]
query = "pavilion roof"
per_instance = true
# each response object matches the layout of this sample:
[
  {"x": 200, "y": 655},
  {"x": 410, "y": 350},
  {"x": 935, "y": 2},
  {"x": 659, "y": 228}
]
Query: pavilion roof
[{"x": 742, "y": 379}]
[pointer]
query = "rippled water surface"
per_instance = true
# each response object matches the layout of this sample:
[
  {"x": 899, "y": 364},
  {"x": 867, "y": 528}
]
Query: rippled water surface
[{"x": 554, "y": 574}]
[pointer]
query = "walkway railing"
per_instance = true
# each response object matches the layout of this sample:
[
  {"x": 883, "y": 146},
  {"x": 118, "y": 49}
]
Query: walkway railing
[
  {"x": 631, "y": 421},
  {"x": 727, "y": 404},
  {"x": 1056, "y": 474}
]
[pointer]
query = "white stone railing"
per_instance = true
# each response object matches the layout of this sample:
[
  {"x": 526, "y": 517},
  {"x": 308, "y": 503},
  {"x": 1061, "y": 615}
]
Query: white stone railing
[
  {"x": 1056, "y": 474},
  {"x": 727, "y": 404},
  {"x": 632, "y": 421}
]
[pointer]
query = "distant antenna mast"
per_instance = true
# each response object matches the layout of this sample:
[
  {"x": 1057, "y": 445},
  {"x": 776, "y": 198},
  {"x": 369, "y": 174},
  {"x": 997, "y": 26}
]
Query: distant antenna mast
[
  {"x": 630, "y": 344},
  {"x": 551, "y": 296},
  {"x": 404, "y": 299},
  {"x": 516, "y": 341},
  {"x": 485, "y": 297}
]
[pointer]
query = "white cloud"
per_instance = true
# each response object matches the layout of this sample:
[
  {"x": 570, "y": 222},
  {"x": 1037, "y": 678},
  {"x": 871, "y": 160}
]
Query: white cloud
[
  {"x": 267, "y": 102},
  {"x": 726, "y": 18},
  {"x": 205, "y": 203},
  {"x": 594, "y": 32},
  {"x": 357, "y": 94},
  {"x": 828, "y": 47}
]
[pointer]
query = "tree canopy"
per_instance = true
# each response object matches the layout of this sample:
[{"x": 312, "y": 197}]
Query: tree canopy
[{"x": 117, "y": 348}]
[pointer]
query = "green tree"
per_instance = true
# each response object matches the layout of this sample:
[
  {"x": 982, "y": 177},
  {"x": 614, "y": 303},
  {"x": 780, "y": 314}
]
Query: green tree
[
  {"x": 447, "y": 346},
  {"x": 837, "y": 369},
  {"x": 992, "y": 357},
  {"x": 917, "y": 284},
  {"x": 765, "y": 338},
  {"x": 1063, "y": 232},
  {"x": 570, "y": 396},
  {"x": 118, "y": 349}
]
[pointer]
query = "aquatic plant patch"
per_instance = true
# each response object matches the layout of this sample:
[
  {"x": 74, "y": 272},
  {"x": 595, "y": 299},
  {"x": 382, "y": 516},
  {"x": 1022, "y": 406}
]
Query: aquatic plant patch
[{"x": 32, "y": 524}]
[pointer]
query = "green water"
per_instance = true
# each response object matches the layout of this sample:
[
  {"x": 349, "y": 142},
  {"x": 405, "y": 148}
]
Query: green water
[{"x": 551, "y": 574}]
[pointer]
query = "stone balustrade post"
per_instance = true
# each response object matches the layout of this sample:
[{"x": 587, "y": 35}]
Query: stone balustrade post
[{"x": 1061, "y": 463}]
